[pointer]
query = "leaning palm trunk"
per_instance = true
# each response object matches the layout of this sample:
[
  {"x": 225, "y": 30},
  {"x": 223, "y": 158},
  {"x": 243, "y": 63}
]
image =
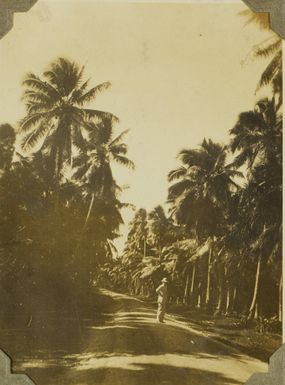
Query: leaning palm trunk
[
  {"x": 253, "y": 307},
  {"x": 89, "y": 211},
  {"x": 186, "y": 288}
]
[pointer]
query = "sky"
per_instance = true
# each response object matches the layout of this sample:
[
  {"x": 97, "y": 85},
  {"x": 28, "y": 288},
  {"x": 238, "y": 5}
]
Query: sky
[{"x": 179, "y": 73}]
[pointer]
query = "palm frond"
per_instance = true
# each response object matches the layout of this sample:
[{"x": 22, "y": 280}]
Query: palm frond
[
  {"x": 35, "y": 108},
  {"x": 178, "y": 189},
  {"x": 32, "y": 139},
  {"x": 124, "y": 161},
  {"x": 92, "y": 93},
  {"x": 34, "y": 96},
  {"x": 100, "y": 115},
  {"x": 120, "y": 149},
  {"x": 35, "y": 83},
  {"x": 177, "y": 173},
  {"x": 189, "y": 157},
  {"x": 119, "y": 138},
  {"x": 31, "y": 120},
  {"x": 259, "y": 18},
  {"x": 269, "y": 49},
  {"x": 271, "y": 71}
]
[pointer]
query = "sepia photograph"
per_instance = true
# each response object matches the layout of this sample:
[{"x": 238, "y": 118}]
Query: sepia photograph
[{"x": 140, "y": 193}]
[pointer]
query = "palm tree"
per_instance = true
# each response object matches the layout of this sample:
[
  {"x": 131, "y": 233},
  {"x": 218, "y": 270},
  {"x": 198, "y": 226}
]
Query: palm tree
[
  {"x": 161, "y": 230},
  {"x": 257, "y": 135},
  {"x": 202, "y": 194},
  {"x": 269, "y": 48},
  {"x": 56, "y": 110},
  {"x": 201, "y": 197},
  {"x": 137, "y": 237},
  {"x": 94, "y": 171}
]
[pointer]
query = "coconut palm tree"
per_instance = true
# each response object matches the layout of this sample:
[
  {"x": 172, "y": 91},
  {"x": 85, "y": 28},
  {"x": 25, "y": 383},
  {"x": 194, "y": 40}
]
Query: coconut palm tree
[
  {"x": 201, "y": 197},
  {"x": 202, "y": 194},
  {"x": 94, "y": 167},
  {"x": 137, "y": 237},
  {"x": 161, "y": 230},
  {"x": 56, "y": 110},
  {"x": 257, "y": 135}
]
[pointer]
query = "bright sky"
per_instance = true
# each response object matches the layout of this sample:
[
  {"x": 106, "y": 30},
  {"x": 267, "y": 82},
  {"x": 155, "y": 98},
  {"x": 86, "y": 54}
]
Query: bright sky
[{"x": 176, "y": 72}]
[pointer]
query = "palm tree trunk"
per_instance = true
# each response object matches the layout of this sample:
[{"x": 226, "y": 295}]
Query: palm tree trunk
[
  {"x": 89, "y": 211},
  {"x": 280, "y": 300},
  {"x": 199, "y": 296},
  {"x": 219, "y": 304},
  {"x": 228, "y": 301},
  {"x": 186, "y": 288},
  {"x": 207, "y": 301},
  {"x": 221, "y": 274},
  {"x": 253, "y": 306},
  {"x": 193, "y": 280}
]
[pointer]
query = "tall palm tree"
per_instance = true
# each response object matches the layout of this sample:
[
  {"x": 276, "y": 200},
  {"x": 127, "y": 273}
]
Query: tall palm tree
[
  {"x": 201, "y": 197},
  {"x": 56, "y": 110},
  {"x": 94, "y": 166}
]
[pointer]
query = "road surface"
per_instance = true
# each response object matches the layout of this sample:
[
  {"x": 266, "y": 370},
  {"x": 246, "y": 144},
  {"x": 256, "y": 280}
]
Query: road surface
[{"x": 131, "y": 348}]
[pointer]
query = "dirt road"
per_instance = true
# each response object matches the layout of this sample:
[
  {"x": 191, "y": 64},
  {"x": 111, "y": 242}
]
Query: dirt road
[{"x": 130, "y": 348}]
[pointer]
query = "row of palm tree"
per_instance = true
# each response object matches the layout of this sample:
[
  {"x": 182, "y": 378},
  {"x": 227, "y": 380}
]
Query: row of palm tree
[{"x": 221, "y": 242}]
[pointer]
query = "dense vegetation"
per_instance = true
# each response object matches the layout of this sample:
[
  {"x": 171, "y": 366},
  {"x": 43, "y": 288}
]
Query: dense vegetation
[{"x": 60, "y": 206}]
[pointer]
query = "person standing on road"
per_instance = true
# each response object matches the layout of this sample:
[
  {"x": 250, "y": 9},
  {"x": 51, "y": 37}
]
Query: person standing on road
[{"x": 161, "y": 300}]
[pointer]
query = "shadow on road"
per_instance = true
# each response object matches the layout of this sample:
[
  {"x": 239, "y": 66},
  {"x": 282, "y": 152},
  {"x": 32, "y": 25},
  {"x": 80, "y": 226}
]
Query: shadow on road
[{"x": 128, "y": 347}]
